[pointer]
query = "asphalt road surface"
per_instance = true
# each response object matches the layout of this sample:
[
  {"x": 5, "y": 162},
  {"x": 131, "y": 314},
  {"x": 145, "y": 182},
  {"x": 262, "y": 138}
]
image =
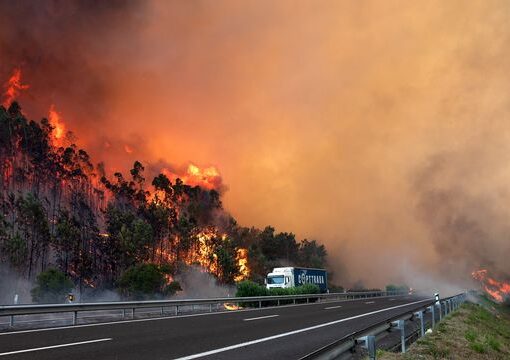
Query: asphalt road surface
[{"x": 286, "y": 332}]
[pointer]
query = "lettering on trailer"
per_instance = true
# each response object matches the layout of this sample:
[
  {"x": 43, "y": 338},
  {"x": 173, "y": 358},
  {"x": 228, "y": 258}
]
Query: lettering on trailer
[{"x": 303, "y": 278}]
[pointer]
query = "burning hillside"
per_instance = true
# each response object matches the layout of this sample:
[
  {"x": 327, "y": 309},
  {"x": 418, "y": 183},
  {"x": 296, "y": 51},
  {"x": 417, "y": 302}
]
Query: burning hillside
[
  {"x": 62, "y": 209},
  {"x": 163, "y": 221}
]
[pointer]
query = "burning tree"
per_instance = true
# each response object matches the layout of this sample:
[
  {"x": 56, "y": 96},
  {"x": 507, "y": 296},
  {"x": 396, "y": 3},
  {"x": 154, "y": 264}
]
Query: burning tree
[{"x": 60, "y": 209}]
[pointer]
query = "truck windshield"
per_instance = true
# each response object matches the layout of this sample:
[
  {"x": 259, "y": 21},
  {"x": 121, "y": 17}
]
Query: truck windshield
[{"x": 275, "y": 279}]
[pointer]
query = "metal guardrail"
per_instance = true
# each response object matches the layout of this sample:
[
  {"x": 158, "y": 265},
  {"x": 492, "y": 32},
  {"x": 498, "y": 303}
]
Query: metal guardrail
[
  {"x": 345, "y": 347},
  {"x": 15, "y": 310}
]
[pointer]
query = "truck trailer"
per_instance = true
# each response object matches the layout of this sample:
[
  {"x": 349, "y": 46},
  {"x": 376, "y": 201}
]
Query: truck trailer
[{"x": 289, "y": 277}]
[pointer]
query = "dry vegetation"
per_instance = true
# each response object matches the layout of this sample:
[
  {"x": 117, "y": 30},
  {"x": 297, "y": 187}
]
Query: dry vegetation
[{"x": 475, "y": 331}]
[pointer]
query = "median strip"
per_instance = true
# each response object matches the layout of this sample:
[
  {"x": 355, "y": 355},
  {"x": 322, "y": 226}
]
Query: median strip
[
  {"x": 55, "y": 346},
  {"x": 261, "y": 317},
  {"x": 253, "y": 342}
]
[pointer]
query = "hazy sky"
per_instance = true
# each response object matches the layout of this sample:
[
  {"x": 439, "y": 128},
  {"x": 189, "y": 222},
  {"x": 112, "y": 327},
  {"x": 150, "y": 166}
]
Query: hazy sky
[{"x": 379, "y": 128}]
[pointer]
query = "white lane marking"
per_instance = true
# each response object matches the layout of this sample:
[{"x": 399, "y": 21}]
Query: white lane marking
[
  {"x": 370, "y": 302},
  {"x": 54, "y": 346},
  {"x": 232, "y": 347},
  {"x": 166, "y": 317},
  {"x": 261, "y": 317},
  {"x": 333, "y": 307}
]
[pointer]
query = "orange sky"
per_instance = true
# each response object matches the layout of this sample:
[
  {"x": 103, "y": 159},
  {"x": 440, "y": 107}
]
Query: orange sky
[{"x": 323, "y": 117}]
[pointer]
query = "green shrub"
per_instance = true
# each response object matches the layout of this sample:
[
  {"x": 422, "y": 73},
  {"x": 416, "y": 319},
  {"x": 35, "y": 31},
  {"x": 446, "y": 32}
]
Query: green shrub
[
  {"x": 249, "y": 288},
  {"x": 52, "y": 286},
  {"x": 399, "y": 288},
  {"x": 145, "y": 281},
  {"x": 307, "y": 289}
]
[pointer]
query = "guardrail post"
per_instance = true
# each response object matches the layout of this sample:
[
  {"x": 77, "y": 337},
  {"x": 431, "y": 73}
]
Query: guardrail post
[
  {"x": 440, "y": 310},
  {"x": 400, "y": 324},
  {"x": 210, "y": 307},
  {"x": 260, "y": 304},
  {"x": 433, "y": 312},
  {"x": 11, "y": 321},
  {"x": 369, "y": 344},
  {"x": 422, "y": 324},
  {"x": 278, "y": 302},
  {"x": 176, "y": 310},
  {"x": 162, "y": 311},
  {"x": 123, "y": 313},
  {"x": 133, "y": 313},
  {"x": 75, "y": 317}
]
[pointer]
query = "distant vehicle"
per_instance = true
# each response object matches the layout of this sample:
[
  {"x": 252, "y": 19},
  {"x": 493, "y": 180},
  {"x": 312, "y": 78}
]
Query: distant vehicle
[{"x": 289, "y": 277}]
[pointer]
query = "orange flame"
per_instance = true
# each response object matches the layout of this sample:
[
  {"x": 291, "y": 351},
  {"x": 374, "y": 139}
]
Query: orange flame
[
  {"x": 58, "y": 126},
  {"x": 242, "y": 262},
  {"x": 498, "y": 290},
  {"x": 13, "y": 87},
  {"x": 208, "y": 178},
  {"x": 230, "y": 306}
]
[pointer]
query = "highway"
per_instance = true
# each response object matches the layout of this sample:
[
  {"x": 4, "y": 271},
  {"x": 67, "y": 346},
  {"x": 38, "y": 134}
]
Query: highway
[{"x": 285, "y": 332}]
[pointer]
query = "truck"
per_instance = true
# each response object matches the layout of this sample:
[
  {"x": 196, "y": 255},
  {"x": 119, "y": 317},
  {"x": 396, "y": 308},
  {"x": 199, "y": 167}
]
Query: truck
[{"x": 289, "y": 277}]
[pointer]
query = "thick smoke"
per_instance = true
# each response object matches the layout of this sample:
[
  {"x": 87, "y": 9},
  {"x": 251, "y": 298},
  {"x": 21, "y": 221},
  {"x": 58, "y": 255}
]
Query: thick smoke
[
  {"x": 14, "y": 287},
  {"x": 462, "y": 200},
  {"x": 379, "y": 128},
  {"x": 198, "y": 284}
]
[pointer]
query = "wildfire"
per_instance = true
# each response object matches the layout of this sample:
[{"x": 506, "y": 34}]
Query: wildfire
[
  {"x": 205, "y": 255},
  {"x": 208, "y": 178},
  {"x": 56, "y": 122},
  {"x": 13, "y": 87},
  {"x": 230, "y": 306},
  {"x": 499, "y": 290},
  {"x": 208, "y": 242},
  {"x": 242, "y": 262}
]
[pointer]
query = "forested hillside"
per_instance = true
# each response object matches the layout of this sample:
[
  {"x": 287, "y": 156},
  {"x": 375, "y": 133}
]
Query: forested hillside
[{"x": 60, "y": 208}]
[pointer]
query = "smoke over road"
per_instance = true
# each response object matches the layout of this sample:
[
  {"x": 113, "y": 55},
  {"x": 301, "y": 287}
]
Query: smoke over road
[{"x": 379, "y": 128}]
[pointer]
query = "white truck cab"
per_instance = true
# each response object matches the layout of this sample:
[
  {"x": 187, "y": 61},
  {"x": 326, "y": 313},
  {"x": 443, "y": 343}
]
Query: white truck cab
[{"x": 280, "y": 278}]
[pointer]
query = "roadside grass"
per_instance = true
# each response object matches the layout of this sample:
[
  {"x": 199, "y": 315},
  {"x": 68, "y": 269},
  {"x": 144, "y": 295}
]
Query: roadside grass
[{"x": 475, "y": 331}]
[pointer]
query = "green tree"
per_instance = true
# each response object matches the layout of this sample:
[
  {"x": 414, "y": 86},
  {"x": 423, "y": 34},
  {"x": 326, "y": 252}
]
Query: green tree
[
  {"x": 15, "y": 250},
  {"x": 51, "y": 287}
]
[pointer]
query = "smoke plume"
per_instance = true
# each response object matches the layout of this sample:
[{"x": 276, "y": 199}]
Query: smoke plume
[{"x": 378, "y": 128}]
